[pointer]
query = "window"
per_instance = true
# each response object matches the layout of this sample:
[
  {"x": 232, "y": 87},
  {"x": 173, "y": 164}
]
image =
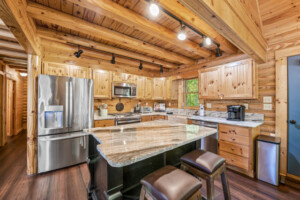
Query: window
[{"x": 191, "y": 93}]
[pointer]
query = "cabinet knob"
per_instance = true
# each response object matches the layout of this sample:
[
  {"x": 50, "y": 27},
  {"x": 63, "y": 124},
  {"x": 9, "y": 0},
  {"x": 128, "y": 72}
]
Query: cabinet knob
[
  {"x": 233, "y": 139},
  {"x": 232, "y": 149}
]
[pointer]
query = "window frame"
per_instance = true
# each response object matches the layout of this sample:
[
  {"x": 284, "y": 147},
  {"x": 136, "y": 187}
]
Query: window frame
[{"x": 185, "y": 94}]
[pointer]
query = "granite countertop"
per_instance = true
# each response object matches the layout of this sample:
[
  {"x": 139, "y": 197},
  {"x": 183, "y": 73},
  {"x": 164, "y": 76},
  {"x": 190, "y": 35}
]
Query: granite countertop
[
  {"x": 127, "y": 144},
  {"x": 251, "y": 124},
  {"x": 97, "y": 117}
]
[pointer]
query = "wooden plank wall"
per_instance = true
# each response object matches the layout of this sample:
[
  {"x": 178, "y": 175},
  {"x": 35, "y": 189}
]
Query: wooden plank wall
[
  {"x": 2, "y": 110},
  {"x": 24, "y": 101}
]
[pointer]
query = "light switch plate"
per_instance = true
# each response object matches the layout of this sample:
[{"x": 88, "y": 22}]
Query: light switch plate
[
  {"x": 267, "y": 106},
  {"x": 208, "y": 105},
  {"x": 246, "y": 106},
  {"x": 267, "y": 99}
]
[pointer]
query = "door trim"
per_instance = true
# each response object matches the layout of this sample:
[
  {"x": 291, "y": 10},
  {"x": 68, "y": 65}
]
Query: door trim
[{"x": 281, "y": 126}]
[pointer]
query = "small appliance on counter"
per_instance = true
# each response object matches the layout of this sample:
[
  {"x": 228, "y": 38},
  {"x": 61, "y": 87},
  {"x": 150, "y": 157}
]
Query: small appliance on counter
[
  {"x": 137, "y": 108},
  {"x": 201, "y": 110},
  {"x": 159, "y": 107},
  {"x": 146, "y": 109},
  {"x": 236, "y": 112},
  {"x": 103, "y": 110}
]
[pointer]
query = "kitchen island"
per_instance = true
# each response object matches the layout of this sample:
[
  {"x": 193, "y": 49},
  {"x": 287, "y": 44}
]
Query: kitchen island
[{"x": 119, "y": 157}]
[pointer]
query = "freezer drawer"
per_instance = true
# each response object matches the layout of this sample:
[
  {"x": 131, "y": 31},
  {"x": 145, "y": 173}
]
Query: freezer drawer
[{"x": 55, "y": 152}]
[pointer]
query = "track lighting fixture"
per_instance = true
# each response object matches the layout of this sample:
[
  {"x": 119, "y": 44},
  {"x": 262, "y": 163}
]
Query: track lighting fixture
[
  {"x": 181, "y": 35},
  {"x": 218, "y": 52},
  {"x": 161, "y": 69},
  {"x": 141, "y": 65},
  {"x": 78, "y": 53},
  {"x": 113, "y": 59},
  {"x": 205, "y": 42},
  {"x": 154, "y": 9}
]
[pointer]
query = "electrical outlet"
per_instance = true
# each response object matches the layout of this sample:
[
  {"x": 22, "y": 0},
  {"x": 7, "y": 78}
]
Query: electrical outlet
[
  {"x": 246, "y": 106},
  {"x": 272, "y": 134},
  {"x": 146, "y": 103},
  {"x": 267, "y": 106},
  {"x": 267, "y": 99},
  {"x": 208, "y": 105}
]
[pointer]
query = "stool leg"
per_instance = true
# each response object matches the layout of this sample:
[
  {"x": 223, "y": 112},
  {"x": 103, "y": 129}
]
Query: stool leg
[
  {"x": 225, "y": 185},
  {"x": 143, "y": 193},
  {"x": 210, "y": 188}
]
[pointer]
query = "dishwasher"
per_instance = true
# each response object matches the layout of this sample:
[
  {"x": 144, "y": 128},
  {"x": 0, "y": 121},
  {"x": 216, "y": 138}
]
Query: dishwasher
[{"x": 209, "y": 143}]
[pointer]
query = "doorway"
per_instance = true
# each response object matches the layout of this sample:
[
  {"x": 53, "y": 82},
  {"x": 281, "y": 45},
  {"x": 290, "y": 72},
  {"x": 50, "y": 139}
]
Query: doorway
[
  {"x": 10, "y": 107},
  {"x": 293, "y": 165}
]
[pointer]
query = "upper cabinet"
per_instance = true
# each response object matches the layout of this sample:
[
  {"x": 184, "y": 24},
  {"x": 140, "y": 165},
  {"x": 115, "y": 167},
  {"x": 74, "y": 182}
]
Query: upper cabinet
[
  {"x": 148, "y": 88},
  {"x": 123, "y": 77},
  {"x": 144, "y": 88},
  {"x": 80, "y": 72},
  {"x": 237, "y": 80},
  {"x": 55, "y": 69},
  {"x": 171, "y": 87},
  {"x": 159, "y": 88},
  {"x": 102, "y": 84}
]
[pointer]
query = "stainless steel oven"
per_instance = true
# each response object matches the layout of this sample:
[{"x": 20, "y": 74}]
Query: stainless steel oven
[{"x": 123, "y": 90}]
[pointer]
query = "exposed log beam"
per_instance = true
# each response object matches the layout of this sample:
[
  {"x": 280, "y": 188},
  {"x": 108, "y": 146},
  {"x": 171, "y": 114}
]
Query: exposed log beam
[
  {"x": 62, "y": 49},
  {"x": 11, "y": 45},
  {"x": 55, "y": 17},
  {"x": 7, "y": 35},
  {"x": 193, "y": 20},
  {"x": 12, "y": 54},
  {"x": 130, "y": 18},
  {"x": 14, "y": 14},
  {"x": 67, "y": 38},
  {"x": 233, "y": 21},
  {"x": 14, "y": 60},
  {"x": 2, "y": 25}
]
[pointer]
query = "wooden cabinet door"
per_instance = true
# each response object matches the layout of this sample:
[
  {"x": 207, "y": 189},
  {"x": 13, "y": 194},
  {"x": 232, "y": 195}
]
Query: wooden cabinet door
[
  {"x": 123, "y": 77},
  {"x": 174, "y": 86},
  {"x": 209, "y": 83},
  {"x": 80, "y": 72},
  {"x": 159, "y": 89},
  {"x": 148, "y": 88},
  {"x": 140, "y": 84},
  {"x": 102, "y": 84},
  {"x": 55, "y": 69},
  {"x": 168, "y": 87}
]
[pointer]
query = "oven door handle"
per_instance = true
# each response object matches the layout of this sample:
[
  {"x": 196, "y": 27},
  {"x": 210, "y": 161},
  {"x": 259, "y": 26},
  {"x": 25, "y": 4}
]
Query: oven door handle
[{"x": 127, "y": 122}]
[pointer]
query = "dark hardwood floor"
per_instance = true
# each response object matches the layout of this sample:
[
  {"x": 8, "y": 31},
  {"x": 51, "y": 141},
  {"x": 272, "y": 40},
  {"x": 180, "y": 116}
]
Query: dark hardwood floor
[{"x": 71, "y": 183}]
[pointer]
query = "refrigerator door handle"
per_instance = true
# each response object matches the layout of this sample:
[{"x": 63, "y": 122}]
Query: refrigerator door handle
[
  {"x": 71, "y": 104},
  {"x": 61, "y": 138},
  {"x": 67, "y": 106}
]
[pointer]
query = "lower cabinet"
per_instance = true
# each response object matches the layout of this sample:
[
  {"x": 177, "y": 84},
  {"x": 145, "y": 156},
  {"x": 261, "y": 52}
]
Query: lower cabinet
[
  {"x": 104, "y": 123},
  {"x": 153, "y": 117},
  {"x": 237, "y": 146}
]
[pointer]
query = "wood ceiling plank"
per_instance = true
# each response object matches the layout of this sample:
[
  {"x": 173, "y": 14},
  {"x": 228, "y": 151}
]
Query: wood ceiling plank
[
  {"x": 51, "y": 16},
  {"x": 7, "y": 35},
  {"x": 12, "y": 54},
  {"x": 186, "y": 15},
  {"x": 134, "y": 20},
  {"x": 11, "y": 45}
]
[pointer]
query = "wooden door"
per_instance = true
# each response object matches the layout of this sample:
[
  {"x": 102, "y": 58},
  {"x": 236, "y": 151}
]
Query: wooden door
[
  {"x": 158, "y": 88},
  {"x": 102, "y": 84},
  {"x": 174, "y": 90},
  {"x": 148, "y": 88},
  {"x": 80, "y": 72},
  {"x": 209, "y": 84},
  {"x": 55, "y": 69},
  {"x": 140, "y": 87},
  {"x": 10, "y": 108}
]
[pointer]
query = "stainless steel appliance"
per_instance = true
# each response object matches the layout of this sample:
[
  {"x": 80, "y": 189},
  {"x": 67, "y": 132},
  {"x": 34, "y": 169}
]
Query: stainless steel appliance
[
  {"x": 236, "y": 113},
  {"x": 147, "y": 109},
  {"x": 267, "y": 159},
  {"x": 127, "y": 118},
  {"x": 65, "y": 108},
  {"x": 209, "y": 143},
  {"x": 159, "y": 107},
  {"x": 123, "y": 90}
]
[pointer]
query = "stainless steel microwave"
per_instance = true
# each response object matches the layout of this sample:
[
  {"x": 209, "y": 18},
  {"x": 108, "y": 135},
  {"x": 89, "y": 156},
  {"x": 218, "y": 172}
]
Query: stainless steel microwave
[{"x": 123, "y": 90}]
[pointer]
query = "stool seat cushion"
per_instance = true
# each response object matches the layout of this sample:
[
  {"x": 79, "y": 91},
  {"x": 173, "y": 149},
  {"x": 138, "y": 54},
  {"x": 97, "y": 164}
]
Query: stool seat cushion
[
  {"x": 170, "y": 183},
  {"x": 203, "y": 160}
]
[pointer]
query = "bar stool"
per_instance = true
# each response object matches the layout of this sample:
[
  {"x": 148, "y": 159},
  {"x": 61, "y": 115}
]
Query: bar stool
[
  {"x": 208, "y": 166},
  {"x": 170, "y": 183}
]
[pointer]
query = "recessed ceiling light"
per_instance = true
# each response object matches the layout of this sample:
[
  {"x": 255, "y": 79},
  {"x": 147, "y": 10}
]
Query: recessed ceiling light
[
  {"x": 23, "y": 74},
  {"x": 154, "y": 9}
]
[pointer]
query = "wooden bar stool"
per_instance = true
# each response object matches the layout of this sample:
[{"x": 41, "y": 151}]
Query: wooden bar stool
[
  {"x": 208, "y": 166},
  {"x": 170, "y": 183}
]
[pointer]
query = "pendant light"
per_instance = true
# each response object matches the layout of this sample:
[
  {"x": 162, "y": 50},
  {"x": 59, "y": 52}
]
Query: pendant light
[
  {"x": 181, "y": 35},
  {"x": 113, "y": 59},
  {"x": 141, "y": 65}
]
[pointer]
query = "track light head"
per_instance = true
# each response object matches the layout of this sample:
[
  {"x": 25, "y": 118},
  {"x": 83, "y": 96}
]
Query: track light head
[
  {"x": 78, "y": 53},
  {"x": 181, "y": 35},
  {"x": 161, "y": 69},
  {"x": 218, "y": 52},
  {"x": 113, "y": 59},
  {"x": 141, "y": 65},
  {"x": 205, "y": 42}
]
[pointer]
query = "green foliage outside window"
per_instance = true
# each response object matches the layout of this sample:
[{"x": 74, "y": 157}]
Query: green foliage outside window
[{"x": 192, "y": 99}]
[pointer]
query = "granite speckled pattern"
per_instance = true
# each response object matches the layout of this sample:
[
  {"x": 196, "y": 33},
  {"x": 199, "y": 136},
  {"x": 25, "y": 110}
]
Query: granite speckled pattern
[{"x": 127, "y": 144}]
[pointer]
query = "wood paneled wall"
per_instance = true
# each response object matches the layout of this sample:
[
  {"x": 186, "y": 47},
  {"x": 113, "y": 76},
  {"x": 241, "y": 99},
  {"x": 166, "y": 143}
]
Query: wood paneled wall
[
  {"x": 24, "y": 102},
  {"x": 2, "y": 106}
]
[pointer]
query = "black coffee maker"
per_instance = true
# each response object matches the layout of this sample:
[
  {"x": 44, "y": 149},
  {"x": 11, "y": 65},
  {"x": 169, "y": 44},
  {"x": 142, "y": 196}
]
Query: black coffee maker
[{"x": 236, "y": 113}]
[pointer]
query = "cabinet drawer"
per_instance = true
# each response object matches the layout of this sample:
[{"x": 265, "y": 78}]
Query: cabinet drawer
[
  {"x": 104, "y": 123},
  {"x": 236, "y": 130},
  {"x": 236, "y": 149},
  {"x": 235, "y": 160},
  {"x": 146, "y": 118},
  {"x": 238, "y": 139}
]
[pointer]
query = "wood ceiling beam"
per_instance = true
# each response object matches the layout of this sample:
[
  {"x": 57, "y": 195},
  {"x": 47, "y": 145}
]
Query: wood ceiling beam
[
  {"x": 126, "y": 16},
  {"x": 12, "y": 54},
  {"x": 193, "y": 20},
  {"x": 233, "y": 21},
  {"x": 61, "y": 49},
  {"x": 13, "y": 60},
  {"x": 11, "y": 45},
  {"x": 14, "y": 14},
  {"x": 49, "y": 15},
  {"x": 67, "y": 38}
]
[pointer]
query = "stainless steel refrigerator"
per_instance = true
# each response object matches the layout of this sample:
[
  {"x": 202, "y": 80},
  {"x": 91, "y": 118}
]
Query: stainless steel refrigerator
[{"x": 65, "y": 108}]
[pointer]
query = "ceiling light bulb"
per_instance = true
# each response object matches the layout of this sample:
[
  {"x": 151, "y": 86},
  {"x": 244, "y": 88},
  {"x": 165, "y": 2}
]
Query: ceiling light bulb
[
  {"x": 154, "y": 9},
  {"x": 23, "y": 74},
  {"x": 207, "y": 41},
  {"x": 181, "y": 35}
]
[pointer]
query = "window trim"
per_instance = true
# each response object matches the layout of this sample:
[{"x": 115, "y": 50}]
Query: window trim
[{"x": 185, "y": 93}]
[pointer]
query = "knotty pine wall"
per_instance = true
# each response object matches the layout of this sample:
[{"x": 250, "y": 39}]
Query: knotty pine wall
[{"x": 2, "y": 117}]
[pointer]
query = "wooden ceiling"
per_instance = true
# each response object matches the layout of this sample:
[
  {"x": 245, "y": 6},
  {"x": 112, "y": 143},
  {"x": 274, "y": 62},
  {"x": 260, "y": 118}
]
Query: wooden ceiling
[{"x": 11, "y": 52}]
